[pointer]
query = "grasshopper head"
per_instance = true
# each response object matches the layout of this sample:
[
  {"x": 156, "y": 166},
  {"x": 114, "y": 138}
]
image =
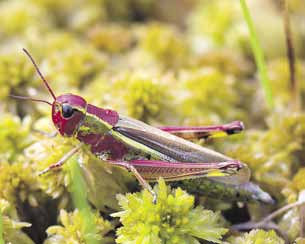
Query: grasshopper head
[{"x": 68, "y": 112}]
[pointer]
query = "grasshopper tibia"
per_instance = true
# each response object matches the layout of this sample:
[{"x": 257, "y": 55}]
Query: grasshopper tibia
[{"x": 62, "y": 160}]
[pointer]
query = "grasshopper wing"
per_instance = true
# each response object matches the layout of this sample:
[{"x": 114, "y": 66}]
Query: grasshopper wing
[{"x": 174, "y": 149}]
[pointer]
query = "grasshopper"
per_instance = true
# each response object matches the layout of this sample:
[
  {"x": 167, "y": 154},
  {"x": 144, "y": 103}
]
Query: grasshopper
[{"x": 149, "y": 152}]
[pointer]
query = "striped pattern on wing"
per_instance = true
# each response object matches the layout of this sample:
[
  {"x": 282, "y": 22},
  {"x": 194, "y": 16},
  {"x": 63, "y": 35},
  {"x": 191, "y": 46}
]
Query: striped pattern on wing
[{"x": 175, "y": 148}]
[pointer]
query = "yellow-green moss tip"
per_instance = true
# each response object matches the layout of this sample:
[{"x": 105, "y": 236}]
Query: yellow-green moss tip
[
  {"x": 72, "y": 229},
  {"x": 173, "y": 219},
  {"x": 11, "y": 226},
  {"x": 14, "y": 136},
  {"x": 257, "y": 237}
]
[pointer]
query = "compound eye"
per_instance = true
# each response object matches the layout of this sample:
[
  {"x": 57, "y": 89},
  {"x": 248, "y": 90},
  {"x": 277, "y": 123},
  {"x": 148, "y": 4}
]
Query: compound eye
[{"x": 67, "y": 110}]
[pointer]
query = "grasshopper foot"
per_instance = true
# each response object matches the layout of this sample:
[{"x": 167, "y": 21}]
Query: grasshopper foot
[
  {"x": 51, "y": 167},
  {"x": 43, "y": 171}
]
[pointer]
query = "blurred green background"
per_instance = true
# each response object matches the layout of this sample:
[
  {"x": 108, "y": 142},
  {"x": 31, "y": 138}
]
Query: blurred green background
[{"x": 170, "y": 62}]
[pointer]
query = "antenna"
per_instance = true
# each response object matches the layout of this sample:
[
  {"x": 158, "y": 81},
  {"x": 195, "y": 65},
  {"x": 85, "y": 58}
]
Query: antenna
[
  {"x": 39, "y": 73},
  {"x": 31, "y": 99}
]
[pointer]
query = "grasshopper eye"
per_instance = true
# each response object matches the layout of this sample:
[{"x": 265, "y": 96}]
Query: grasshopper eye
[{"x": 67, "y": 110}]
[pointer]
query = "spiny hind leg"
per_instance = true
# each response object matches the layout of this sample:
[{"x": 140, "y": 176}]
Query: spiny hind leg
[{"x": 139, "y": 177}]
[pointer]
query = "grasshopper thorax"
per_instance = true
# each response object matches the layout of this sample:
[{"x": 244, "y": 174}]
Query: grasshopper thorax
[{"x": 68, "y": 112}]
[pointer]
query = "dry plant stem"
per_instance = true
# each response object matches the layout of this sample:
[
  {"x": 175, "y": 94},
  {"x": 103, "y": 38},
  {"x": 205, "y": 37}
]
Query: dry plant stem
[
  {"x": 291, "y": 57},
  {"x": 266, "y": 222},
  {"x": 280, "y": 211}
]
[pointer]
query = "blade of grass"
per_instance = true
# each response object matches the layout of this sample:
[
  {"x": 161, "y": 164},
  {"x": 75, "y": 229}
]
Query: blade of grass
[
  {"x": 79, "y": 196},
  {"x": 1, "y": 229},
  {"x": 258, "y": 55}
]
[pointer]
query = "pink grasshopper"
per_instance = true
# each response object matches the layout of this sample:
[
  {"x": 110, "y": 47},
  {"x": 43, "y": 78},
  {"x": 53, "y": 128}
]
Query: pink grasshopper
[{"x": 149, "y": 152}]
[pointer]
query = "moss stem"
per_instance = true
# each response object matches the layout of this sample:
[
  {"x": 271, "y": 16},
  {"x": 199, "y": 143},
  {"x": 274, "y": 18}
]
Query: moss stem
[{"x": 258, "y": 55}]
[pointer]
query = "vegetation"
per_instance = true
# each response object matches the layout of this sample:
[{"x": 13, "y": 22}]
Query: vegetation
[{"x": 183, "y": 63}]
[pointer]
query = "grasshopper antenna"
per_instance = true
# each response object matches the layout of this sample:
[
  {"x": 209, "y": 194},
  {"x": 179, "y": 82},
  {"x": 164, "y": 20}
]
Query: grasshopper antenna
[
  {"x": 31, "y": 99},
  {"x": 39, "y": 73}
]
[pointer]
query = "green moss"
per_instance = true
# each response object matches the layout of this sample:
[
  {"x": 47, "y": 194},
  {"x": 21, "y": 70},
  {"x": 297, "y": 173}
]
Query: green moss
[
  {"x": 101, "y": 193},
  {"x": 16, "y": 73},
  {"x": 213, "y": 20},
  {"x": 165, "y": 45},
  {"x": 42, "y": 154},
  {"x": 111, "y": 38},
  {"x": 173, "y": 219},
  {"x": 144, "y": 98},
  {"x": 298, "y": 180},
  {"x": 1, "y": 228},
  {"x": 295, "y": 186},
  {"x": 165, "y": 70},
  {"x": 19, "y": 17},
  {"x": 207, "y": 96},
  {"x": 14, "y": 136},
  {"x": 12, "y": 226},
  {"x": 274, "y": 154},
  {"x": 72, "y": 229},
  {"x": 257, "y": 237},
  {"x": 290, "y": 224},
  {"x": 300, "y": 240},
  {"x": 73, "y": 66},
  {"x": 279, "y": 78},
  {"x": 136, "y": 94},
  {"x": 17, "y": 183}
]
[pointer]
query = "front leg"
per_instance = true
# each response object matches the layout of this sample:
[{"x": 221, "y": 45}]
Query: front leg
[
  {"x": 46, "y": 134},
  {"x": 67, "y": 156}
]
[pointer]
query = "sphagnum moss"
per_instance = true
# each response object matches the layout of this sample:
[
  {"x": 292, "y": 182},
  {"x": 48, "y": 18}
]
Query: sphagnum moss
[
  {"x": 57, "y": 34},
  {"x": 41, "y": 154},
  {"x": 83, "y": 226},
  {"x": 11, "y": 226},
  {"x": 207, "y": 94},
  {"x": 74, "y": 229},
  {"x": 173, "y": 219},
  {"x": 1, "y": 229},
  {"x": 257, "y": 237},
  {"x": 165, "y": 45},
  {"x": 274, "y": 154},
  {"x": 14, "y": 136}
]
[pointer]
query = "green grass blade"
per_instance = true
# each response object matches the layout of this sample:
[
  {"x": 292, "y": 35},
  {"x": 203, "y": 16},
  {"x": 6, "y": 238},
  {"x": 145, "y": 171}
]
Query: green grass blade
[
  {"x": 258, "y": 55},
  {"x": 1, "y": 229},
  {"x": 79, "y": 196}
]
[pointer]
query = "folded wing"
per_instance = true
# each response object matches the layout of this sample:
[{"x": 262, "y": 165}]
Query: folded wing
[{"x": 176, "y": 149}]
